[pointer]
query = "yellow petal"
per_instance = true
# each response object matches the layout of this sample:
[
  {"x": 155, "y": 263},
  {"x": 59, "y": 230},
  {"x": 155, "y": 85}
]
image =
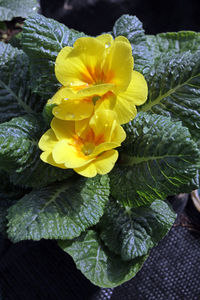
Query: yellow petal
[
  {"x": 57, "y": 97},
  {"x": 78, "y": 109},
  {"x": 106, "y": 128},
  {"x": 70, "y": 156},
  {"x": 61, "y": 66},
  {"x": 98, "y": 89},
  {"x": 86, "y": 92},
  {"x": 125, "y": 103},
  {"x": 48, "y": 158},
  {"x": 82, "y": 128},
  {"x": 106, "y": 161},
  {"x": 104, "y": 147},
  {"x": 119, "y": 63},
  {"x": 87, "y": 171},
  {"x": 122, "y": 38},
  {"x": 124, "y": 108},
  {"x": 102, "y": 123},
  {"x": 137, "y": 90},
  {"x": 72, "y": 63},
  {"x": 63, "y": 129},
  {"x": 106, "y": 39},
  {"x": 48, "y": 141}
]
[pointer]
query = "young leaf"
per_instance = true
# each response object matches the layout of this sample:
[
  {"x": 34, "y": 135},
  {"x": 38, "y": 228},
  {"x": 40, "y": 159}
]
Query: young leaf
[
  {"x": 17, "y": 8},
  {"x": 158, "y": 158},
  {"x": 174, "y": 90},
  {"x": 15, "y": 94},
  {"x": 60, "y": 211},
  {"x": 133, "y": 232},
  {"x": 20, "y": 155},
  {"x": 102, "y": 267},
  {"x": 42, "y": 39}
]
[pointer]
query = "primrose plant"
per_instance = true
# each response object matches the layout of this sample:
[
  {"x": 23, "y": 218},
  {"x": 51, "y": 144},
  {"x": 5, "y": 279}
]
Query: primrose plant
[{"x": 95, "y": 133}]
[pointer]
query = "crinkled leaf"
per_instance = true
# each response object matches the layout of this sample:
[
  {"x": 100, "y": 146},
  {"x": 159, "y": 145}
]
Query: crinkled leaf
[
  {"x": 102, "y": 267},
  {"x": 18, "y": 142},
  {"x": 10, "y": 9},
  {"x": 133, "y": 232},
  {"x": 39, "y": 174},
  {"x": 20, "y": 155},
  {"x": 158, "y": 158},
  {"x": 42, "y": 39},
  {"x": 60, "y": 211},
  {"x": 16, "y": 97},
  {"x": 174, "y": 90},
  {"x": 173, "y": 42}
]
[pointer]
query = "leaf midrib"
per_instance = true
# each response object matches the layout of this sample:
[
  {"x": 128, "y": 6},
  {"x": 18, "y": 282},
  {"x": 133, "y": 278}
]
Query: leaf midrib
[
  {"x": 19, "y": 101},
  {"x": 46, "y": 204},
  {"x": 147, "y": 106},
  {"x": 128, "y": 160}
]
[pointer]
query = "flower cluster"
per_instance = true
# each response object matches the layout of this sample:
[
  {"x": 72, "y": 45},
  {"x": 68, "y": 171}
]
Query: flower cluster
[{"x": 100, "y": 91}]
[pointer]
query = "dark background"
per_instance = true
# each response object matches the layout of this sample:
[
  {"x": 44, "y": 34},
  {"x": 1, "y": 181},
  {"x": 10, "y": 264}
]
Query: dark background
[
  {"x": 41, "y": 270},
  {"x": 96, "y": 16}
]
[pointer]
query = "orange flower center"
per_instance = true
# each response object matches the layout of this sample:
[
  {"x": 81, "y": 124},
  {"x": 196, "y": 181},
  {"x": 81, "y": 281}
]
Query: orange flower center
[
  {"x": 87, "y": 145},
  {"x": 88, "y": 148},
  {"x": 95, "y": 75}
]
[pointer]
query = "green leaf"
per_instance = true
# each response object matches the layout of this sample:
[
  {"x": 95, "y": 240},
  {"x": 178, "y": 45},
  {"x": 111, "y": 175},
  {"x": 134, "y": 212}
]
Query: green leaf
[
  {"x": 60, "y": 211},
  {"x": 173, "y": 42},
  {"x": 20, "y": 155},
  {"x": 18, "y": 142},
  {"x": 17, "y": 8},
  {"x": 102, "y": 267},
  {"x": 133, "y": 232},
  {"x": 158, "y": 158},
  {"x": 42, "y": 39},
  {"x": 39, "y": 174},
  {"x": 15, "y": 94},
  {"x": 174, "y": 90}
]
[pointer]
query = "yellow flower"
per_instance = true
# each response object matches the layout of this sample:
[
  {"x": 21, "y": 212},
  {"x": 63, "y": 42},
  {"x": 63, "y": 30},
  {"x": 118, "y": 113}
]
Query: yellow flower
[
  {"x": 97, "y": 73},
  {"x": 86, "y": 146}
]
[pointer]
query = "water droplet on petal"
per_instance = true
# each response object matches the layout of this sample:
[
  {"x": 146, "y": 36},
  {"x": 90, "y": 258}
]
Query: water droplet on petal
[
  {"x": 66, "y": 98},
  {"x": 71, "y": 116},
  {"x": 107, "y": 45},
  {"x": 56, "y": 112}
]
